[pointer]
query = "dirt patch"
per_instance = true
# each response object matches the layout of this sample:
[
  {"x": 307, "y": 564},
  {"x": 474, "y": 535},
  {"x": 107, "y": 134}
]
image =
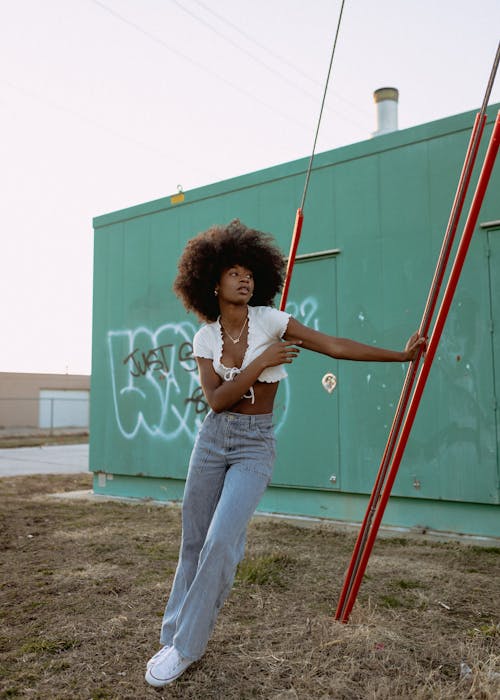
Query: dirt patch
[
  {"x": 42, "y": 439},
  {"x": 84, "y": 583}
]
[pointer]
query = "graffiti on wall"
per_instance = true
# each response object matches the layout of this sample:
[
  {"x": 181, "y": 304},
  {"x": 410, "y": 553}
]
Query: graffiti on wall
[{"x": 155, "y": 382}]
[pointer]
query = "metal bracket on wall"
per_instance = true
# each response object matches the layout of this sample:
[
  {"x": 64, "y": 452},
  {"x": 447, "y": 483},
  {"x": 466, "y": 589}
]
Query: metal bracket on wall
[
  {"x": 490, "y": 224},
  {"x": 318, "y": 255}
]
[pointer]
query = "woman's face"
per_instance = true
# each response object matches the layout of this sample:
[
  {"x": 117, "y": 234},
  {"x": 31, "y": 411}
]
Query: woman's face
[{"x": 236, "y": 285}]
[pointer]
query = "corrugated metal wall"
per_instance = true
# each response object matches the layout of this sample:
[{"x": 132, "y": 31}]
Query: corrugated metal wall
[{"x": 379, "y": 208}]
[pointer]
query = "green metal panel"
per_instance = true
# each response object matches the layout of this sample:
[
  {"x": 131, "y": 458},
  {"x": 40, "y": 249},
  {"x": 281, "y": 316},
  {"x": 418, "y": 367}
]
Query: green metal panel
[
  {"x": 142, "y": 377},
  {"x": 384, "y": 204},
  {"x": 453, "y": 450},
  {"x": 306, "y": 416},
  {"x": 493, "y": 254},
  {"x": 396, "y": 250}
]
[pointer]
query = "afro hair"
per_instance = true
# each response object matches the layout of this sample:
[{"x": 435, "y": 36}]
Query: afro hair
[{"x": 208, "y": 254}]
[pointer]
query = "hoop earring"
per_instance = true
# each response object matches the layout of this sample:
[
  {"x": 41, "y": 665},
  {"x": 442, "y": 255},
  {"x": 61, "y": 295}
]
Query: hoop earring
[{"x": 216, "y": 292}]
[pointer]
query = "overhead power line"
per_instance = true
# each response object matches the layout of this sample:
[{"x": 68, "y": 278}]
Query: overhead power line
[
  {"x": 262, "y": 46},
  {"x": 275, "y": 55},
  {"x": 83, "y": 117},
  {"x": 258, "y": 60},
  {"x": 240, "y": 48},
  {"x": 157, "y": 40}
]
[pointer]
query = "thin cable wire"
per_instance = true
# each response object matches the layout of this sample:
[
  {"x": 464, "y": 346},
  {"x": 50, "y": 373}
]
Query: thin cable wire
[
  {"x": 292, "y": 83},
  {"x": 251, "y": 39},
  {"x": 238, "y": 47},
  {"x": 286, "y": 116},
  {"x": 278, "y": 56},
  {"x": 308, "y": 174},
  {"x": 52, "y": 104}
]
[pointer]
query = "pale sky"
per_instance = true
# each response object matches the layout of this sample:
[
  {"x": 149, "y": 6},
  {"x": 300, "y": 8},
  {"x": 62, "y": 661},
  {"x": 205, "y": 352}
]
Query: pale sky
[{"x": 109, "y": 104}]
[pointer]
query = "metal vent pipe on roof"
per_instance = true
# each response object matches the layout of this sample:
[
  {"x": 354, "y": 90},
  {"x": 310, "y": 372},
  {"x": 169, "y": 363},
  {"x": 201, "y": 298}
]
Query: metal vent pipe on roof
[{"x": 386, "y": 99}]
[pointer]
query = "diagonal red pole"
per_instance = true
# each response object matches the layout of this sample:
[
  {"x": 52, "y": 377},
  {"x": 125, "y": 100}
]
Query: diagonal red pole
[
  {"x": 437, "y": 281},
  {"x": 447, "y": 245},
  {"x": 429, "y": 357},
  {"x": 299, "y": 218}
]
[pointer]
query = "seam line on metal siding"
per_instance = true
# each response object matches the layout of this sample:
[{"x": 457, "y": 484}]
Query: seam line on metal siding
[{"x": 492, "y": 350}]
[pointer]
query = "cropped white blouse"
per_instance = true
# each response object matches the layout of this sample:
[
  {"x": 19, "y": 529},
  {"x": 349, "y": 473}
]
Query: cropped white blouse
[{"x": 266, "y": 325}]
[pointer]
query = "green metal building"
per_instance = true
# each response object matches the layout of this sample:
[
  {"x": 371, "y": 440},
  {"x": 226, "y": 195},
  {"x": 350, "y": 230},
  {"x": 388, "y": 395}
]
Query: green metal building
[{"x": 374, "y": 223}]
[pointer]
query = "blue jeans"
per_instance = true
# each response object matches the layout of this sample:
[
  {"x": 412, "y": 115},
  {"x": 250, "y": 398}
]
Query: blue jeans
[{"x": 230, "y": 467}]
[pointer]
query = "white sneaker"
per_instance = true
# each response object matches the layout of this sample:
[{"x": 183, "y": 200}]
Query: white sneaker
[
  {"x": 154, "y": 659},
  {"x": 169, "y": 667}
]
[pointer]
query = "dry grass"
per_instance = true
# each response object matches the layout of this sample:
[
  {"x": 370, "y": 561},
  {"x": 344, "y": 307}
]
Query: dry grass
[
  {"x": 42, "y": 438},
  {"x": 84, "y": 583}
]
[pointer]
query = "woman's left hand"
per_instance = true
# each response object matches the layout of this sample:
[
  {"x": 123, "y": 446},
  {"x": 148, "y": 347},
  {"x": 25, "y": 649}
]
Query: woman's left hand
[{"x": 413, "y": 347}]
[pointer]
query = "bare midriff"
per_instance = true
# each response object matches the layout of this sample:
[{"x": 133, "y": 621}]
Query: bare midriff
[{"x": 264, "y": 400}]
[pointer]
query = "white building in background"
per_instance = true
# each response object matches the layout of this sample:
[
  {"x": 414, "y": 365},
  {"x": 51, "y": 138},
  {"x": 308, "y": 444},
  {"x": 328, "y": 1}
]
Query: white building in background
[{"x": 46, "y": 401}]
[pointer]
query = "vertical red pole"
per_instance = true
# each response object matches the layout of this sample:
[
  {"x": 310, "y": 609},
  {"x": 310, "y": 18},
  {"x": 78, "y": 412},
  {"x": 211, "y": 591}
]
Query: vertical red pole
[
  {"x": 297, "y": 229},
  {"x": 456, "y": 210},
  {"x": 431, "y": 351}
]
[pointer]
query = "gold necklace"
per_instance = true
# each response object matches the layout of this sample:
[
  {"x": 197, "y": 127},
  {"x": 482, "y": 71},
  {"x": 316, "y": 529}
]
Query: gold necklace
[{"x": 235, "y": 340}]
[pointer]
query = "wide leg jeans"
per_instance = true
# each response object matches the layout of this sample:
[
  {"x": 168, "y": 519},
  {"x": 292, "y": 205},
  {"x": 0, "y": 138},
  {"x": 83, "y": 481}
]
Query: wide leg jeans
[{"x": 230, "y": 467}]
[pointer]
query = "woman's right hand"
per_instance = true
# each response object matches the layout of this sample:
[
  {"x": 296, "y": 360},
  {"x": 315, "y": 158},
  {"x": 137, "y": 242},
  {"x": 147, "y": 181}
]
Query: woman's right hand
[{"x": 282, "y": 352}]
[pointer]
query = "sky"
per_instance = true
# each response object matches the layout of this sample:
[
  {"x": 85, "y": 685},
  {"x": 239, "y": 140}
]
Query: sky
[{"x": 104, "y": 105}]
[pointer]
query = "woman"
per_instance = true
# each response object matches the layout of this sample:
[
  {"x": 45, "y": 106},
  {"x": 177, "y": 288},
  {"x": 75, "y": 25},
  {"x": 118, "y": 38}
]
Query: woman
[{"x": 229, "y": 277}]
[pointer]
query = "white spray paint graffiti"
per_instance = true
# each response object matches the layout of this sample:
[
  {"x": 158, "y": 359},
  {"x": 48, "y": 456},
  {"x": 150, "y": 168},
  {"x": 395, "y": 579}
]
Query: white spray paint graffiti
[
  {"x": 155, "y": 382},
  {"x": 305, "y": 312}
]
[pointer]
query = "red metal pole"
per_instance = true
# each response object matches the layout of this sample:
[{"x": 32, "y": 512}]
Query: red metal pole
[
  {"x": 430, "y": 306},
  {"x": 297, "y": 229},
  {"x": 430, "y": 353},
  {"x": 424, "y": 327}
]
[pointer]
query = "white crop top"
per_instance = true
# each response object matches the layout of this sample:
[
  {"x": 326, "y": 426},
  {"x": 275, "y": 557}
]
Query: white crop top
[{"x": 266, "y": 325}]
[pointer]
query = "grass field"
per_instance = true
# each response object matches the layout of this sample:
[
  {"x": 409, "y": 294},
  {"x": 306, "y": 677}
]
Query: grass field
[
  {"x": 37, "y": 439},
  {"x": 84, "y": 584}
]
